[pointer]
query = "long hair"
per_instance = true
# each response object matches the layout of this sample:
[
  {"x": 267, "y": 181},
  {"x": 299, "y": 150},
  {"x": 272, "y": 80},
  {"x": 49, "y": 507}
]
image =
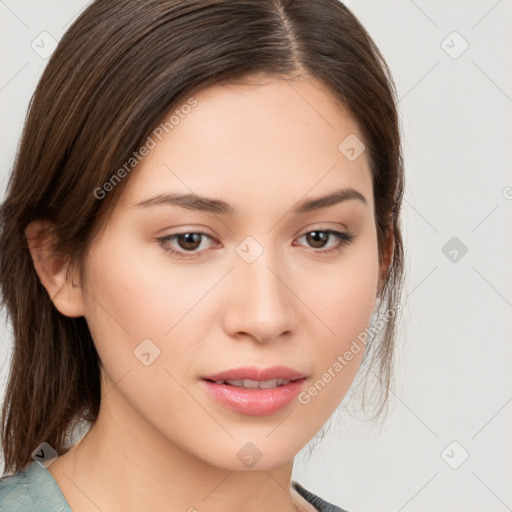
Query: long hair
[{"x": 120, "y": 67}]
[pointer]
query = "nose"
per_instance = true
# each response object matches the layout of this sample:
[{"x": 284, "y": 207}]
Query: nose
[{"x": 259, "y": 301}]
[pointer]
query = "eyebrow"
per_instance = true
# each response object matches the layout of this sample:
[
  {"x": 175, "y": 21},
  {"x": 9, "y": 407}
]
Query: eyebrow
[{"x": 205, "y": 204}]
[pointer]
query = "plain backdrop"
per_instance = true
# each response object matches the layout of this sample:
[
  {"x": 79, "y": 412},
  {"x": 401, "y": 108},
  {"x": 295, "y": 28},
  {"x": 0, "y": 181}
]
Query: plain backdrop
[{"x": 446, "y": 445}]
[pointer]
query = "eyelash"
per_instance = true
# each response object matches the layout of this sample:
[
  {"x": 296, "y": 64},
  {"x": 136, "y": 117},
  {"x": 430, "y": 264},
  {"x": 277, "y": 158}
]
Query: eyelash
[{"x": 344, "y": 239}]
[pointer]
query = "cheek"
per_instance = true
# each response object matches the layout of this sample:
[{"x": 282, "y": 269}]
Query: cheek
[
  {"x": 134, "y": 294},
  {"x": 354, "y": 299},
  {"x": 345, "y": 295},
  {"x": 344, "y": 302}
]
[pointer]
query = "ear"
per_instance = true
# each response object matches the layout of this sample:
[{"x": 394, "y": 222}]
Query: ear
[
  {"x": 65, "y": 292},
  {"x": 386, "y": 260}
]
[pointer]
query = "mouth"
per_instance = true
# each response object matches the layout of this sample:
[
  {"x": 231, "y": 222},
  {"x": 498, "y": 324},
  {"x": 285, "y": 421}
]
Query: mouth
[
  {"x": 253, "y": 391},
  {"x": 254, "y": 374},
  {"x": 254, "y": 384}
]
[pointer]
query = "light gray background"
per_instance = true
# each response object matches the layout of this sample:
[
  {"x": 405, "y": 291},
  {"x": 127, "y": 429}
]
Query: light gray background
[{"x": 454, "y": 354}]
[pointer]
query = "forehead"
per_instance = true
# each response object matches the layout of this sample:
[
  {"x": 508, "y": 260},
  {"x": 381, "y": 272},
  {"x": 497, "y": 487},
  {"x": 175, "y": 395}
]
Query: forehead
[{"x": 266, "y": 137}]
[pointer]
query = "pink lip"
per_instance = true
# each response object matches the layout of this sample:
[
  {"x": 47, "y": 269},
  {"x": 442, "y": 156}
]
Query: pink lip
[
  {"x": 253, "y": 373},
  {"x": 255, "y": 402}
]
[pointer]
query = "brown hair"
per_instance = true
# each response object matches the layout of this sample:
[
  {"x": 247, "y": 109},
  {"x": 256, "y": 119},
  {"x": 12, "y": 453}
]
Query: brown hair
[{"x": 119, "y": 68}]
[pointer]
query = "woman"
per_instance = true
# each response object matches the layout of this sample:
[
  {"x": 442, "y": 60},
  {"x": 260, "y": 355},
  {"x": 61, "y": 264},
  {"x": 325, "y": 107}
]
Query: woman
[{"x": 202, "y": 223}]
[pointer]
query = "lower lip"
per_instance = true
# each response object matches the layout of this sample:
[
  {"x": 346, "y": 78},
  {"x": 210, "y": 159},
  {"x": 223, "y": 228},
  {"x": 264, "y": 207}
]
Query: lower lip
[{"x": 254, "y": 402}]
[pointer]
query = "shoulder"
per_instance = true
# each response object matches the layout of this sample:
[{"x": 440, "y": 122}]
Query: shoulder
[
  {"x": 314, "y": 500},
  {"x": 31, "y": 489}
]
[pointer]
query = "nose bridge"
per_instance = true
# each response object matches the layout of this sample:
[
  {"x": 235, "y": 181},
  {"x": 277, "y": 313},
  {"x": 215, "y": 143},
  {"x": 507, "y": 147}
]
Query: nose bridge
[{"x": 261, "y": 302}]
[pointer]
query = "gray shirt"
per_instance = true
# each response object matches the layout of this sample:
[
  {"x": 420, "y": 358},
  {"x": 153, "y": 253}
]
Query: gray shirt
[{"x": 34, "y": 489}]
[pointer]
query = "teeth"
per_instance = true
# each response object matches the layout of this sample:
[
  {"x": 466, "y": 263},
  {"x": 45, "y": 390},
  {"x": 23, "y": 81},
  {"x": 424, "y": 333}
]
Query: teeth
[{"x": 253, "y": 384}]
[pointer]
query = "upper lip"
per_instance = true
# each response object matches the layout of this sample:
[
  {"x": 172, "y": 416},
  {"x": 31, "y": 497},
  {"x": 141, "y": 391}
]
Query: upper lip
[{"x": 254, "y": 373}]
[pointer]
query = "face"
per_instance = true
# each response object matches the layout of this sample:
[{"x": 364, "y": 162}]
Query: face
[{"x": 179, "y": 291}]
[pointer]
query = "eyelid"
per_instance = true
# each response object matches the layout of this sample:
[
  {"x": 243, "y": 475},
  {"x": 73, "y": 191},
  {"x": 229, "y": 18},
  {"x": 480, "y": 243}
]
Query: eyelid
[
  {"x": 183, "y": 254},
  {"x": 344, "y": 238}
]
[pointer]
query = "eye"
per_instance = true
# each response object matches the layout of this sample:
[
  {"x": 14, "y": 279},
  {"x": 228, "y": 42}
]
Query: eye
[
  {"x": 189, "y": 242},
  {"x": 319, "y": 237}
]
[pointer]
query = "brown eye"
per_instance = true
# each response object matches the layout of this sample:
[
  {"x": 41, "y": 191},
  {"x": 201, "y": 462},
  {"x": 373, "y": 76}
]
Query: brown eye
[
  {"x": 185, "y": 245},
  {"x": 189, "y": 241},
  {"x": 317, "y": 239}
]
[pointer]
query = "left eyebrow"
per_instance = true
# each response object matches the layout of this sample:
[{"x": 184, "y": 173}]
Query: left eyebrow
[
  {"x": 205, "y": 204},
  {"x": 336, "y": 197}
]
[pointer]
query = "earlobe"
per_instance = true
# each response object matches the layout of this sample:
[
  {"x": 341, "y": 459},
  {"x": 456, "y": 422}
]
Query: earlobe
[{"x": 53, "y": 269}]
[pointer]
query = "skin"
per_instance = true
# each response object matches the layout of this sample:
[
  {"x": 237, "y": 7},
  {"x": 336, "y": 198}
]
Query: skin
[{"x": 161, "y": 442}]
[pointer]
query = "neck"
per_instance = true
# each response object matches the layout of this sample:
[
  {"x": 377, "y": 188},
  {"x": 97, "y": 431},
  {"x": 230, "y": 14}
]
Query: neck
[{"x": 122, "y": 463}]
